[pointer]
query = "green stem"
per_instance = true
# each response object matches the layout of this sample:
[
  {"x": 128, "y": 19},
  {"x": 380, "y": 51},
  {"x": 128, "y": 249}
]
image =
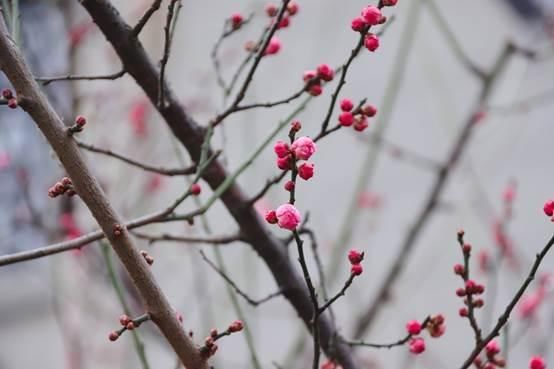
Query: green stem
[{"x": 139, "y": 346}]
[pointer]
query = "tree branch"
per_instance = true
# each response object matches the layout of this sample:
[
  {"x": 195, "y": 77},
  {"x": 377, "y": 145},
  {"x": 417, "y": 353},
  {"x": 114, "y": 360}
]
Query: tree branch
[
  {"x": 33, "y": 101},
  {"x": 187, "y": 131}
]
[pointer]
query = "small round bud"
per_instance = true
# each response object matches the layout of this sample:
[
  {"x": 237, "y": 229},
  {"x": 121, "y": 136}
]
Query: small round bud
[
  {"x": 236, "y": 326},
  {"x": 130, "y": 326},
  {"x": 346, "y": 119},
  {"x": 356, "y": 269},
  {"x": 7, "y": 93},
  {"x": 213, "y": 332},
  {"x": 12, "y": 103},
  {"x": 460, "y": 292},
  {"x": 80, "y": 120},
  {"x": 466, "y": 248},
  {"x": 113, "y": 336},
  {"x": 358, "y": 24},
  {"x": 236, "y": 20},
  {"x": 124, "y": 320},
  {"x": 295, "y": 126},
  {"x": 369, "y": 110},
  {"x": 271, "y": 10},
  {"x": 371, "y": 42},
  {"x": 293, "y": 8},
  {"x": 271, "y": 217},
  {"x": 459, "y": 269},
  {"x": 289, "y": 186},
  {"x": 346, "y": 105},
  {"x": 355, "y": 256},
  {"x": 325, "y": 72},
  {"x": 315, "y": 90},
  {"x": 195, "y": 189},
  {"x": 463, "y": 312}
]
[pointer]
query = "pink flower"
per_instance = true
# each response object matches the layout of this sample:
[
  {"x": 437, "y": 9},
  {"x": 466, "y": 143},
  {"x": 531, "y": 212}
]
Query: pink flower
[
  {"x": 306, "y": 171},
  {"x": 273, "y": 47},
  {"x": 360, "y": 123},
  {"x": 369, "y": 110},
  {"x": 309, "y": 75},
  {"x": 236, "y": 326},
  {"x": 303, "y": 148},
  {"x": 413, "y": 327},
  {"x": 271, "y": 10},
  {"x": 281, "y": 149},
  {"x": 371, "y": 42},
  {"x": 236, "y": 20},
  {"x": 293, "y": 8},
  {"x": 271, "y": 217},
  {"x": 325, "y": 72},
  {"x": 492, "y": 348},
  {"x": 537, "y": 362},
  {"x": 288, "y": 217},
  {"x": 346, "y": 105},
  {"x": 284, "y": 23},
  {"x": 417, "y": 345},
  {"x": 356, "y": 269},
  {"x": 284, "y": 163},
  {"x": 549, "y": 208},
  {"x": 389, "y": 2},
  {"x": 530, "y": 303},
  {"x": 289, "y": 186},
  {"x": 315, "y": 90},
  {"x": 355, "y": 256},
  {"x": 372, "y": 15},
  {"x": 346, "y": 119},
  {"x": 195, "y": 189},
  {"x": 358, "y": 24}
]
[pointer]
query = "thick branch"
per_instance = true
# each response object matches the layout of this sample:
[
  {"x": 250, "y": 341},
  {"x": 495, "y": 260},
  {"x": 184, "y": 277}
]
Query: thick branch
[
  {"x": 35, "y": 104},
  {"x": 271, "y": 249}
]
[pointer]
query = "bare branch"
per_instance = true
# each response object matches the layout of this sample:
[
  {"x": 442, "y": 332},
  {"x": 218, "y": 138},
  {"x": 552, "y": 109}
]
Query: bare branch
[
  {"x": 47, "y": 80},
  {"x": 88, "y": 188},
  {"x": 146, "y": 167},
  {"x": 248, "y": 299}
]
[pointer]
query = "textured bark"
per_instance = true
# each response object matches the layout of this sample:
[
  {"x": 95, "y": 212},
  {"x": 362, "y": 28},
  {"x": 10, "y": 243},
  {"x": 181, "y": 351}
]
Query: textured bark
[
  {"x": 137, "y": 63},
  {"x": 34, "y": 102}
]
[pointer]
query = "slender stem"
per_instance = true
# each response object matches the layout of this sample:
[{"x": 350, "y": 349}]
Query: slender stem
[{"x": 139, "y": 345}]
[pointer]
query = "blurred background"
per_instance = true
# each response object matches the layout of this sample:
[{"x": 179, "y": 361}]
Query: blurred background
[{"x": 56, "y": 312}]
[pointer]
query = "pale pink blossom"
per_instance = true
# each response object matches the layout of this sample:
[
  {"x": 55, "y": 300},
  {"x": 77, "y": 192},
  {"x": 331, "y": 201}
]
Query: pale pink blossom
[
  {"x": 288, "y": 217},
  {"x": 303, "y": 148}
]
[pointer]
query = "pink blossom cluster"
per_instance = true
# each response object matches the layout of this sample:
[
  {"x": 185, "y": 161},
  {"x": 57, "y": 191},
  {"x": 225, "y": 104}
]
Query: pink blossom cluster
[
  {"x": 355, "y": 257},
  {"x": 370, "y": 16},
  {"x": 357, "y": 118},
  {"x": 274, "y": 45},
  {"x": 314, "y": 79},
  {"x": 435, "y": 327},
  {"x": 492, "y": 357}
]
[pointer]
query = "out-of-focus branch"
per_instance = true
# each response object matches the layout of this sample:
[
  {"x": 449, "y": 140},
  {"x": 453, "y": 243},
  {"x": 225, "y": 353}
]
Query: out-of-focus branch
[
  {"x": 146, "y": 167},
  {"x": 222, "y": 240},
  {"x": 245, "y": 296},
  {"x": 32, "y": 100},
  {"x": 106, "y": 77},
  {"x": 453, "y": 42},
  {"x": 271, "y": 249}
]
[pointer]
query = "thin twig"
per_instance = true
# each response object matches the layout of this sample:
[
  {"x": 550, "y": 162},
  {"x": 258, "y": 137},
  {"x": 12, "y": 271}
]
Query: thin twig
[
  {"x": 146, "y": 17},
  {"x": 245, "y": 296},
  {"x": 503, "y": 318},
  {"x": 400, "y": 342},
  {"x": 166, "y": 53},
  {"x": 222, "y": 240},
  {"x": 47, "y": 80},
  {"x": 146, "y": 167}
]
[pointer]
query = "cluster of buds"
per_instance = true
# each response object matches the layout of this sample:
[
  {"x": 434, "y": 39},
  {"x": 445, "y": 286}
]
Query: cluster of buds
[
  {"x": 80, "y": 122},
  {"x": 292, "y": 9},
  {"x": 356, "y": 257},
  {"x": 301, "y": 149},
  {"x": 149, "y": 259},
  {"x": 285, "y": 216},
  {"x": 471, "y": 289},
  {"x": 370, "y": 16},
  {"x": 64, "y": 186},
  {"x": 435, "y": 327},
  {"x": 210, "y": 347},
  {"x": 127, "y": 324},
  {"x": 7, "y": 95},
  {"x": 357, "y": 118},
  {"x": 493, "y": 359},
  {"x": 315, "y": 78}
]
